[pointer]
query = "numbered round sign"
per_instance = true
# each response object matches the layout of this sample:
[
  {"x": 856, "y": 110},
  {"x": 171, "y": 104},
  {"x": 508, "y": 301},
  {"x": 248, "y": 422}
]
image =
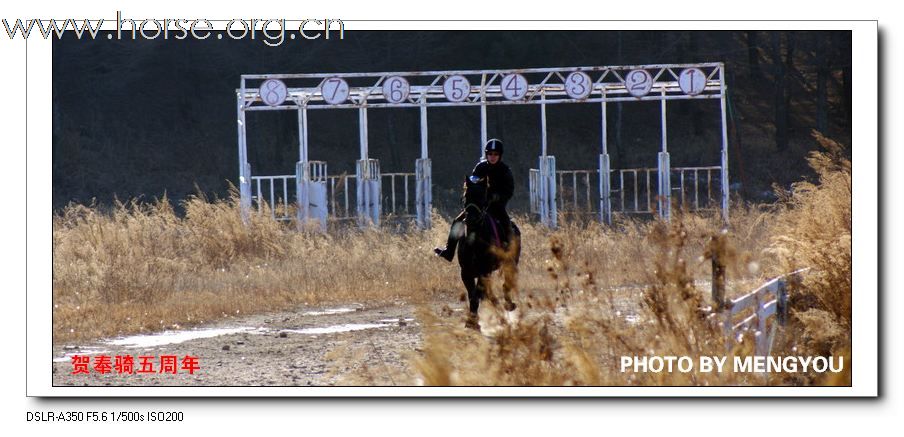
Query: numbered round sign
[
  {"x": 395, "y": 89},
  {"x": 456, "y": 88},
  {"x": 273, "y": 92},
  {"x": 577, "y": 85},
  {"x": 692, "y": 81},
  {"x": 638, "y": 82},
  {"x": 334, "y": 90},
  {"x": 514, "y": 86}
]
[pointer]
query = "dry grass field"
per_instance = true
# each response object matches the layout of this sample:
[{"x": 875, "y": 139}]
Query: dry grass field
[{"x": 140, "y": 267}]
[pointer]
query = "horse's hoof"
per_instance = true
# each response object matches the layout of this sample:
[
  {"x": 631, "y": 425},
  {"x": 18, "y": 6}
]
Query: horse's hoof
[
  {"x": 471, "y": 323},
  {"x": 510, "y": 306}
]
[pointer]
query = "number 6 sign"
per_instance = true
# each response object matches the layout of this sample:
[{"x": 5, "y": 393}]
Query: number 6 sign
[
  {"x": 334, "y": 90},
  {"x": 456, "y": 88},
  {"x": 395, "y": 89},
  {"x": 273, "y": 92},
  {"x": 638, "y": 82}
]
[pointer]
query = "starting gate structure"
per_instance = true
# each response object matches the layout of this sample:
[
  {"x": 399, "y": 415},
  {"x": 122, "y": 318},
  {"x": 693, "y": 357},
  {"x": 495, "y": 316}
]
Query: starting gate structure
[{"x": 315, "y": 189}]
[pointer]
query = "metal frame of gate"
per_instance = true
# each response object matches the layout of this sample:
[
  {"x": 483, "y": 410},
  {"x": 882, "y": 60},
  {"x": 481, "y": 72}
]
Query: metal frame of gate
[{"x": 544, "y": 86}]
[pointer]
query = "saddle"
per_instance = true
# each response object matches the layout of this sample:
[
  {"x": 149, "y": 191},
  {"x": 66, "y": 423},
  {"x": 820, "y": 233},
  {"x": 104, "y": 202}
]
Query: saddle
[{"x": 499, "y": 236}]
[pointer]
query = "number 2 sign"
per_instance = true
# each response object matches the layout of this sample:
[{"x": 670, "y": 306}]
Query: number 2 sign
[
  {"x": 456, "y": 88},
  {"x": 334, "y": 90},
  {"x": 638, "y": 82}
]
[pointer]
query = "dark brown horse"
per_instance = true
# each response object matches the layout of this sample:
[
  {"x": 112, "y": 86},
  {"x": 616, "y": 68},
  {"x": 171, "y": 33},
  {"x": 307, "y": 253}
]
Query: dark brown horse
[{"x": 483, "y": 249}]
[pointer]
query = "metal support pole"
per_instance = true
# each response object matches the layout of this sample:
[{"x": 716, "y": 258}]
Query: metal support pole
[
  {"x": 244, "y": 167},
  {"x": 423, "y": 178},
  {"x": 483, "y": 128},
  {"x": 724, "y": 146},
  {"x": 302, "y": 176},
  {"x": 362, "y": 131},
  {"x": 605, "y": 191},
  {"x": 483, "y": 114},
  {"x": 303, "y": 133},
  {"x": 665, "y": 182},
  {"x": 543, "y": 124}
]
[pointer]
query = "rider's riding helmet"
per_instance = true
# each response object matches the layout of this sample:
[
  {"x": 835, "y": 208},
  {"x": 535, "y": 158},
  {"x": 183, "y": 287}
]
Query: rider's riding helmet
[{"x": 493, "y": 145}]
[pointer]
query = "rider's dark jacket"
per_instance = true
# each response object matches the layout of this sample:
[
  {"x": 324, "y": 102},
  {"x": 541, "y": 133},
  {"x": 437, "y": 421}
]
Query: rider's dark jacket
[{"x": 500, "y": 186}]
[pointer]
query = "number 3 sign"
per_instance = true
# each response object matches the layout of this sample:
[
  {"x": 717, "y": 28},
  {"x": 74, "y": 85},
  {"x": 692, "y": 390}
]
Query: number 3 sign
[
  {"x": 577, "y": 85},
  {"x": 456, "y": 88}
]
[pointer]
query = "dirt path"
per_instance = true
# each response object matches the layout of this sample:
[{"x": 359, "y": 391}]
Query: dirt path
[{"x": 342, "y": 345}]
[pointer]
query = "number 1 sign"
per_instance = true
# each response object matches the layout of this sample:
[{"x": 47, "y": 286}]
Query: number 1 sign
[{"x": 692, "y": 81}]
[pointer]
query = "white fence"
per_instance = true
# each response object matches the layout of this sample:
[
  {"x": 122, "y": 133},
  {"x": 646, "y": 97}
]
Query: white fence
[
  {"x": 632, "y": 190},
  {"x": 278, "y": 196},
  {"x": 751, "y": 312}
]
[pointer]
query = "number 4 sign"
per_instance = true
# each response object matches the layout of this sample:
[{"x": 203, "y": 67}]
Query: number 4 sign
[{"x": 514, "y": 86}]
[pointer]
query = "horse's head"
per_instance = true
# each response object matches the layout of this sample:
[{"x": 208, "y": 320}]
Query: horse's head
[{"x": 475, "y": 193}]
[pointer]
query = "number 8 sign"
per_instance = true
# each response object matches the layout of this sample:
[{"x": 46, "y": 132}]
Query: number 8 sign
[
  {"x": 273, "y": 92},
  {"x": 456, "y": 88}
]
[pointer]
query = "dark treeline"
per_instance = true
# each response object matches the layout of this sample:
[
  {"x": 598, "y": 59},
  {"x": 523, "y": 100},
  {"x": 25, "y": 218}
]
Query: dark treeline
[{"x": 140, "y": 118}]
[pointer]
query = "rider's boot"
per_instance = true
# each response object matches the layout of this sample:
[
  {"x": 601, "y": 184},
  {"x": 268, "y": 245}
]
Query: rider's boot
[{"x": 448, "y": 252}]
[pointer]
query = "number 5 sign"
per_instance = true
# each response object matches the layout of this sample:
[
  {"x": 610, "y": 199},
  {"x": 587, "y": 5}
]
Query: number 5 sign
[{"x": 456, "y": 88}]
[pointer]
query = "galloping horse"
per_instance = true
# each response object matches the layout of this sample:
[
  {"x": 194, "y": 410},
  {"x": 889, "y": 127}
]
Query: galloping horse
[{"x": 484, "y": 249}]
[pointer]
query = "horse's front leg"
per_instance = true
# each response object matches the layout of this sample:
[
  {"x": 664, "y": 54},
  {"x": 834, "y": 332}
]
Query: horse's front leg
[{"x": 473, "y": 298}]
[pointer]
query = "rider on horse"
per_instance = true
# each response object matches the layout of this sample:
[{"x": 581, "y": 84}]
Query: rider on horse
[{"x": 500, "y": 188}]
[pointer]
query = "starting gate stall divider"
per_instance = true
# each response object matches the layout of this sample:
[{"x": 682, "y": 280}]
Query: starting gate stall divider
[{"x": 593, "y": 84}]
